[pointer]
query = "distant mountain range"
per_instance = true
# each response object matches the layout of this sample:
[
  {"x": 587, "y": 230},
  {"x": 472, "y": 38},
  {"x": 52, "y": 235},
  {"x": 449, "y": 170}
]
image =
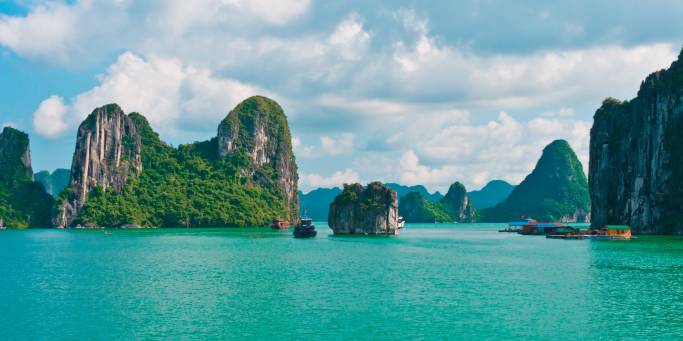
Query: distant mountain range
[
  {"x": 493, "y": 193},
  {"x": 317, "y": 202},
  {"x": 55, "y": 182}
]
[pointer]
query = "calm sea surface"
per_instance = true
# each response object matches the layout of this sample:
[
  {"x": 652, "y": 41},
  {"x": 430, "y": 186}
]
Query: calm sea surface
[{"x": 433, "y": 282}]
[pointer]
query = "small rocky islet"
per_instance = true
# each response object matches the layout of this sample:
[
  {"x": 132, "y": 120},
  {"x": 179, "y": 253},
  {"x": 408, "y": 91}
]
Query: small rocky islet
[
  {"x": 365, "y": 210},
  {"x": 123, "y": 175}
]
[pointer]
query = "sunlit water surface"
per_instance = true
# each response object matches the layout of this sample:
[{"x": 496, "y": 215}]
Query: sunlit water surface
[{"x": 433, "y": 281}]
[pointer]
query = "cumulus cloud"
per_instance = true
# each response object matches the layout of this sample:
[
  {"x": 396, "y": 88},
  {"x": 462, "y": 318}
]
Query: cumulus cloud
[
  {"x": 341, "y": 144},
  {"x": 504, "y": 148},
  {"x": 49, "y": 118},
  {"x": 171, "y": 95},
  {"x": 70, "y": 33},
  {"x": 309, "y": 181},
  {"x": 423, "y": 107}
]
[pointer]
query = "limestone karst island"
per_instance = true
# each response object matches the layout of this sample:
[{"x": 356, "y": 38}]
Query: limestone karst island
[{"x": 335, "y": 170}]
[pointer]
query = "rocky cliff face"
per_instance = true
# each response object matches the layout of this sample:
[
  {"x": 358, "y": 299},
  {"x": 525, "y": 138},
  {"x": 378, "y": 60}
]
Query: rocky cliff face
[
  {"x": 258, "y": 127},
  {"x": 556, "y": 190},
  {"x": 457, "y": 202},
  {"x": 107, "y": 154},
  {"x": 413, "y": 207},
  {"x": 15, "y": 155},
  {"x": 636, "y": 157},
  {"x": 23, "y": 202},
  {"x": 369, "y": 210},
  {"x": 455, "y": 206}
]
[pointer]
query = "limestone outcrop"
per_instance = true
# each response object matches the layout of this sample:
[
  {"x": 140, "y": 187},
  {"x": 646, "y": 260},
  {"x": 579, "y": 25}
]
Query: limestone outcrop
[
  {"x": 636, "y": 157},
  {"x": 23, "y": 202},
  {"x": 365, "y": 210},
  {"x": 258, "y": 128},
  {"x": 107, "y": 154}
]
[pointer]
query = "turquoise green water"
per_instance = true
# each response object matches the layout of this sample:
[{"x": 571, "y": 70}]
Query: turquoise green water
[{"x": 433, "y": 282}]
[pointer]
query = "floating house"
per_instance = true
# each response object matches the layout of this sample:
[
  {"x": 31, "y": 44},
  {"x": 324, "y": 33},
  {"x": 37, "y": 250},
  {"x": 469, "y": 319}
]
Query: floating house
[
  {"x": 617, "y": 231},
  {"x": 543, "y": 228}
]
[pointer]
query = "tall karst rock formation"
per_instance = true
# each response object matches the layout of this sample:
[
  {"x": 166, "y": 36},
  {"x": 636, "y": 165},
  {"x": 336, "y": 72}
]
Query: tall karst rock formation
[
  {"x": 23, "y": 202},
  {"x": 636, "y": 157},
  {"x": 107, "y": 154},
  {"x": 556, "y": 190},
  {"x": 258, "y": 127},
  {"x": 124, "y": 175}
]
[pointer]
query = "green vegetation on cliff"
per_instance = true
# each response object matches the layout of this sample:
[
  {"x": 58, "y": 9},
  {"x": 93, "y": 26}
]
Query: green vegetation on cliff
[
  {"x": 414, "y": 208},
  {"x": 454, "y": 206},
  {"x": 54, "y": 182},
  {"x": 193, "y": 185},
  {"x": 555, "y": 190},
  {"x": 23, "y": 202},
  {"x": 493, "y": 193}
]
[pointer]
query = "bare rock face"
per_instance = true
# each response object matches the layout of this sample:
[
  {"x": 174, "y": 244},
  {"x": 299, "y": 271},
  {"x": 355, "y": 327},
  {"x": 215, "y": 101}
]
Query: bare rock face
[
  {"x": 457, "y": 202},
  {"x": 636, "y": 157},
  {"x": 369, "y": 210},
  {"x": 107, "y": 154},
  {"x": 258, "y": 128}
]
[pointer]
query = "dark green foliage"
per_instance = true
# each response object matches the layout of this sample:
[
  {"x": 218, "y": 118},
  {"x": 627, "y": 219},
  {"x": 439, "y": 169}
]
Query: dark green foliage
[
  {"x": 416, "y": 209},
  {"x": 556, "y": 187},
  {"x": 187, "y": 186},
  {"x": 317, "y": 202},
  {"x": 402, "y": 190},
  {"x": 243, "y": 121},
  {"x": 54, "y": 183},
  {"x": 493, "y": 193},
  {"x": 23, "y": 202}
]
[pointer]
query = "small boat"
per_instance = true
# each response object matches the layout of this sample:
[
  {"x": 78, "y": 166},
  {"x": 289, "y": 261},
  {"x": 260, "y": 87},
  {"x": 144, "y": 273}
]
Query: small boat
[
  {"x": 280, "y": 224},
  {"x": 401, "y": 223},
  {"x": 305, "y": 229}
]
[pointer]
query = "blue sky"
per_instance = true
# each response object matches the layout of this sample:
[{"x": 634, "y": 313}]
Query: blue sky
[{"x": 414, "y": 92}]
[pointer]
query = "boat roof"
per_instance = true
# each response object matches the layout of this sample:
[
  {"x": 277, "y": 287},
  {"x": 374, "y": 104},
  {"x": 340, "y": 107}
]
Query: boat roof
[
  {"x": 550, "y": 225},
  {"x": 617, "y": 227}
]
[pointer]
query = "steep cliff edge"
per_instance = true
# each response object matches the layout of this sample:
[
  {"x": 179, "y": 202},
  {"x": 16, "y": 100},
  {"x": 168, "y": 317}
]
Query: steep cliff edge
[
  {"x": 107, "y": 154},
  {"x": 23, "y": 202},
  {"x": 258, "y": 127},
  {"x": 457, "y": 202},
  {"x": 556, "y": 190},
  {"x": 636, "y": 157},
  {"x": 149, "y": 183},
  {"x": 453, "y": 207},
  {"x": 369, "y": 210}
]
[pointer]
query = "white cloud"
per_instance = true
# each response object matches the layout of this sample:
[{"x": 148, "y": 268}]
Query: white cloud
[
  {"x": 86, "y": 29},
  {"x": 276, "y": 12},
  {"x": 341, "y": 144},
  {"x": 49, "y": 118},
  {"x": 350, "y": 38},
  {"x": 402, "y": 89},
  {"x": 172, "y": 96},
  {"x": 309, "y": 181},
  {"x": 499, "y": 149}
]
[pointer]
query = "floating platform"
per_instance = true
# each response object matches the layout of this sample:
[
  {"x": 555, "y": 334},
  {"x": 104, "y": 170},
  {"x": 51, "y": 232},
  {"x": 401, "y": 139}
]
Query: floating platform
[{"x": 587, "y": 236}]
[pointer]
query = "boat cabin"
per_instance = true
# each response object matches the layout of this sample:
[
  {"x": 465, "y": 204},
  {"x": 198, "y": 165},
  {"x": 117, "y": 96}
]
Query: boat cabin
[
  {"x": 623, "y": 231},
  {"x": 543, "y": 228}
]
